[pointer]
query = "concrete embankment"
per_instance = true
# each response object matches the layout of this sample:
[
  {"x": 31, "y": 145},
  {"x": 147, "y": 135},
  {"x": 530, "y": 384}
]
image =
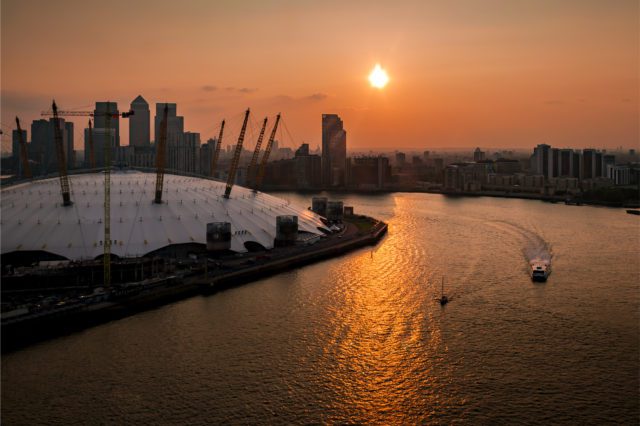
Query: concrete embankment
[
  {"x": 41, "y": 326},
  {"x": 269, "y": 268}
]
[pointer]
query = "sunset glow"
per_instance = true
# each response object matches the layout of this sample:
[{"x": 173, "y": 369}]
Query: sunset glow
[{"x": 501, "y": 74}]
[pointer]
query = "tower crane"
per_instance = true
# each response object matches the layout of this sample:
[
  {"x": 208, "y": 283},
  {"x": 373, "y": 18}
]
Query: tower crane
[
  {"x": 236, "y": 157},
  {"x": 265, "y": 157},
  {"x": 216, "y": 153},
  {"x": 160, "y": 154},
  {"x": 26, "y": 171},
  {"x": 256, "y": 152},
  {"x": 64, "y": 179}
]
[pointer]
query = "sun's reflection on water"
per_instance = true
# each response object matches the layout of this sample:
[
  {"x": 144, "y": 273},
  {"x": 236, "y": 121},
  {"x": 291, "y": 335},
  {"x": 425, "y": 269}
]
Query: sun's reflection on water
[{"x": 385, "y": 334}]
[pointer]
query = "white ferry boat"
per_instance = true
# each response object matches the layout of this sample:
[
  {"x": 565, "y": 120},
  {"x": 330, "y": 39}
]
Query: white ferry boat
[{"x": 540, "y": 270}]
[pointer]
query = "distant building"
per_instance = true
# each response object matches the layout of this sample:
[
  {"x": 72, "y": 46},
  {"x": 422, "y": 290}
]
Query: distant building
[
  {"x": 566, "y": 163},
  {"x": 620, "y": 175},
  {"x": 15, "y": 143},
  {"x": 507, "y": 166},
  {"x": 368, "y": 172},
  {"x": 554, "y": 167},
  {"x": 139, "y": 123},
  {"x": 438, "y": 163},
  {"x": 184, "y": 155},
  {"x": 401, "y": 159},
  {"x": 303, "y": 150},
  {"x": 69, "y": 150},
  {"x": 334, "y": 151},
  {"x": 43, "y": 146},
  {"x": 467, "y": 177},
  {"x": 175, "y": 125},
  {"x": 589, "y": 163},
  {"x": 100, "y": 117},
  {"x": 206, "y": 156},
  {"x": 478, "y": 155},
  {"x": 541, "y": 160},
  {"x": 143, "y": 156},
  {"x": 101, "y": 137},
  {"x": 15, "y": 149}
]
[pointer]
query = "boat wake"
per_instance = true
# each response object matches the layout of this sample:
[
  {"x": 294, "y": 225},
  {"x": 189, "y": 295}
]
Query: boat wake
[{"x": 535, "y": 249}]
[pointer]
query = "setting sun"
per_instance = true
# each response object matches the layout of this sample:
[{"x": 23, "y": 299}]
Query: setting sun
[{"x": 378, "y": 77}]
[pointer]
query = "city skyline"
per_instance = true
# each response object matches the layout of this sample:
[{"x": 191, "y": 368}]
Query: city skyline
[{"x": 496, "y": 75}]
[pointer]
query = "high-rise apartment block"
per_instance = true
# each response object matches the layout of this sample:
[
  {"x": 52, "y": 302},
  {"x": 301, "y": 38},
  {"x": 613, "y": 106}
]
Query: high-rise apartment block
[
  {"x": 567, "y": 163},
  {"x": 334, "y": 151},
  {"x": 175, "y": 125},
  {"x": 42, "y": 149},
  {"x": 107, "y": 112}
]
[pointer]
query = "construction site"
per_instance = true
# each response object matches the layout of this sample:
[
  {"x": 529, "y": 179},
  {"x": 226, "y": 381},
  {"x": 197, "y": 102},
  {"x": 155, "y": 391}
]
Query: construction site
[{"x": 115, "y": 239}]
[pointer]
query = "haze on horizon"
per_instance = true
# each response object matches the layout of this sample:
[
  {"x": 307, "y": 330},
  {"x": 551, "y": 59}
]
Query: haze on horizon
[{"x": 503, "y": 74}]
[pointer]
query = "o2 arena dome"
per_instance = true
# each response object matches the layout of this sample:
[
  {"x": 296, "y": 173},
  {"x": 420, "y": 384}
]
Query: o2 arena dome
[{"x": 34, "y": 219}]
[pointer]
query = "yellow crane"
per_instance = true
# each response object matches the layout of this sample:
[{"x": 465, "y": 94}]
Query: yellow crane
[
  {"x": 265, "y": 157},
  {"x": 64, "y": 178},
  {"x": 236, "y": 157},
  {"x": 24, "y": 157}
]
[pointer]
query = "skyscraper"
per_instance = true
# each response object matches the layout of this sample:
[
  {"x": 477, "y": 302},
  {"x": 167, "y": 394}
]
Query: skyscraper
[
  {"x": 589, "y": 163},
  {"x": 478, "y": 155},
  {"x": 100, "y": 138},
  {"x": 15, "y": 143},
  {"x": 15, "y": 149},
  {"x": 175, "y": 126},
  {"x": 541, "y": 160},
  {"x": 43, "y": 146},
  {"x": 69, "y": 148},
  {"x": 100, "y": 119},
  {"x": 334, "y": 150},
  {"x": 139, "y": 123}
]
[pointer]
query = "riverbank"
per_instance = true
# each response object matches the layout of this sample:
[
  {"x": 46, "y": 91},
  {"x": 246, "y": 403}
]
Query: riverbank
[
  {"x": 202, "y": 279},
  {"x": 568, "y": 199}
]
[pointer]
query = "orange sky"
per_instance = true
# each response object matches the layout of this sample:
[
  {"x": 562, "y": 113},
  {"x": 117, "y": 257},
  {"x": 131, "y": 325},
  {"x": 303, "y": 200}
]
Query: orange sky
[{"x": 509, "y": 73}]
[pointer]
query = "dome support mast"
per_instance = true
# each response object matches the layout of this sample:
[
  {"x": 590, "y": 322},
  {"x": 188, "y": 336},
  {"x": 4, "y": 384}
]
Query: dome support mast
[
  {"x": 216, "y": 153},
  {"x": 236, "y": 157},
  {"x": 160, "y": 155},
  {"x": 265, "y": 157},
  {"x": 251, "y": 171}
]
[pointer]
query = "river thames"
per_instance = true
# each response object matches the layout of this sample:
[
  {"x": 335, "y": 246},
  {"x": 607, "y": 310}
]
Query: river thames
[{"x": 361, "y": 338}]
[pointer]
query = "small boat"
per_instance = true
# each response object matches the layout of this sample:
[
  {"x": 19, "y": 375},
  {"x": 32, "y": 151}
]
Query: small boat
[
  {"x": 636, "y": 212},
  {"x": 443, "y": 298},
  {"x": 539, "y": 270}
]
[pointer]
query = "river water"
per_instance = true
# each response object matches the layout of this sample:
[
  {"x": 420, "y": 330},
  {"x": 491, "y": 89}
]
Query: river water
[{"x": 361, "y": 339}]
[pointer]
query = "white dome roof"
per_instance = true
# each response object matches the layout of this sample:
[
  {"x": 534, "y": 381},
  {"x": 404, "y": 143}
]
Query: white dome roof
[{"x": 34, "y": 219}]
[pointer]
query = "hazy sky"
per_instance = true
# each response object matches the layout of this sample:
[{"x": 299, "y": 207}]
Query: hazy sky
[{"x": 463, "y": 73}]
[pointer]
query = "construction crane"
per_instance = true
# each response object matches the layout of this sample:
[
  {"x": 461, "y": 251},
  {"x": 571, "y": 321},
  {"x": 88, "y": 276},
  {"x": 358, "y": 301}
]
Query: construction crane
[
  {"x": 256, "y": 152},
  {"x": 216, "y": 153},
  {"x": 160, "y": 154},
  {"x": 92, "y": 157},
  {"x": 64, "y": 179},
  {"x": 265, "y": 157},
  {"x": 236, "y": 157},
  {"x": 26, "y": 171}
]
